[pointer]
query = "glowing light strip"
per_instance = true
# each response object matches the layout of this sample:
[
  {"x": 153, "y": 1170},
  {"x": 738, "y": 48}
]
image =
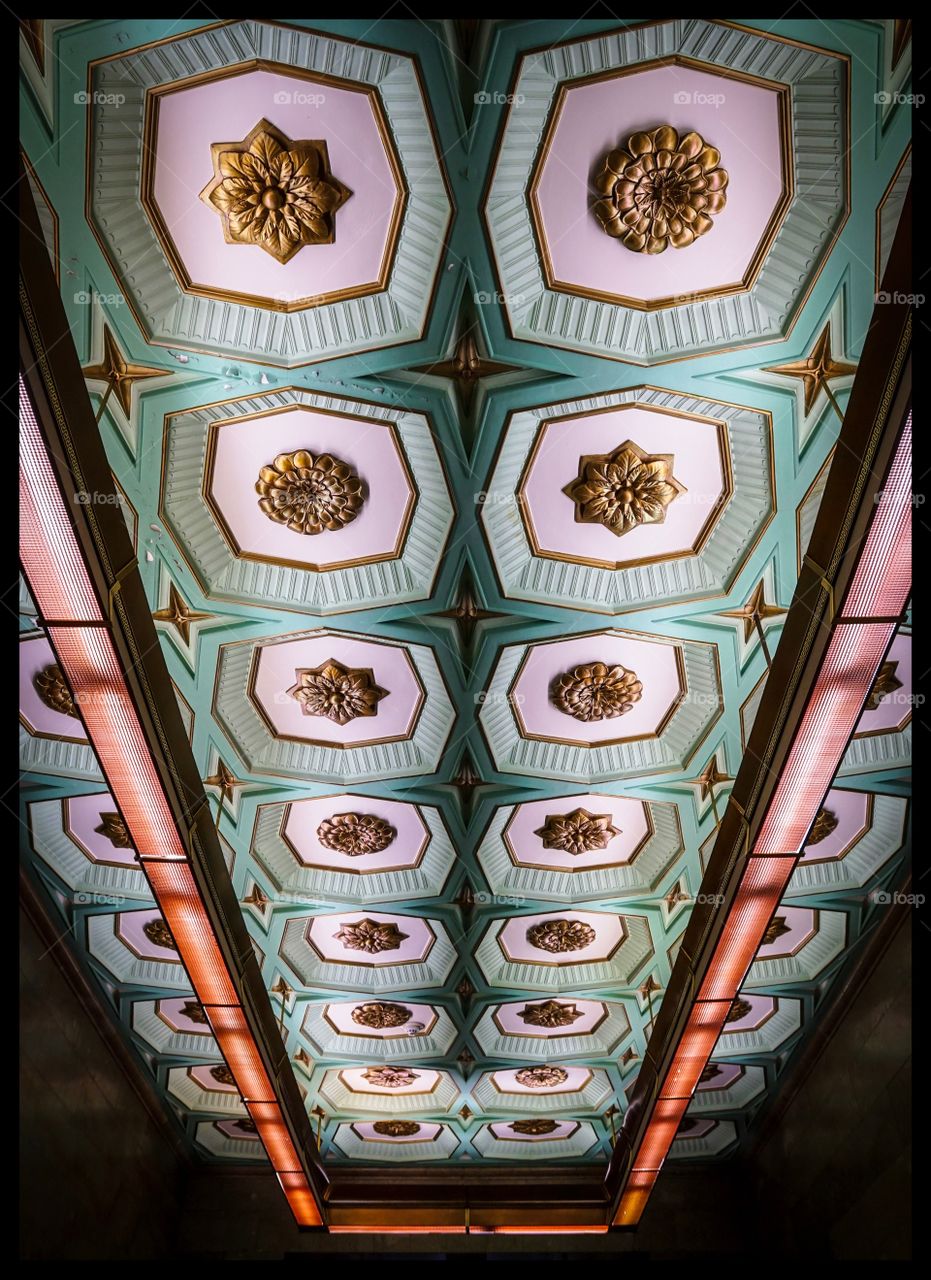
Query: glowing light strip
[
  {"x": 63, "y": 592},
  {"x": 879, "y": 588}
]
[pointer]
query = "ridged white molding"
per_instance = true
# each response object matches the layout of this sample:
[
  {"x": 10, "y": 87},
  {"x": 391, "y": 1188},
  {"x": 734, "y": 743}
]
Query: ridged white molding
[
  {"x": 881, "y": 842},
  {"x": 576, "y": 1144},
  {"x": 592, "y": 1097},
  {"x": 225, "y": 576},
  {"x": 171, "y": 317},
  {"x": 526, "y": 576},
  {"x": 104, "y": 945},
  {"x": 326, "y": 1041},
  {"x": 617, "y": 973},
  {"x": 312, "y": 971},
  {"x": 324, "y": 885},
  {"x": 84, "y": 878},
  {"x": 344, "y": 1100},
  {"x": 407, "y": 1152},
  {"x": 690, "y": 722},
  {"x": 508, "y": 879},
  {"x": 156, "y": 1032},
  {"x": 263, "y": 753},
  {"x": 818, "y": 128},
  {"x": 807, "y": 963}
]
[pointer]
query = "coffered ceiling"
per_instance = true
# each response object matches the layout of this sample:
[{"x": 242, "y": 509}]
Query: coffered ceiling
[{"x": 469, "y": 510}]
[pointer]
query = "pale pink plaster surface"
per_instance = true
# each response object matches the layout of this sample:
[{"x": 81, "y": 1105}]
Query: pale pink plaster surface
[
  {"x": 592, "y": 1011},
  {"x": 608, "y": 934},
  {"x": 628, "y": 816},
  {"x": 340, "y": 1016},
  {"x": 191, "y": 120},
  {"x": 655, "y": 667},
  {"x": 82, "y": 815},
  {"x": 416, "y": 946},
  {"x": 577, "y": 1078},
  {"x": 305, "y": 816},
  {"x": 696, "y": 465},
  {"x": 34, "y": 655},
  {"x": 354, "y": 1079},
  {"x": 277, "y": 669},
  {"x": 244, "y": 448},
  {"x": 895, "y": 706},
  {"x": 850, "y": 808},
  {"x": 598, "y": 118}
]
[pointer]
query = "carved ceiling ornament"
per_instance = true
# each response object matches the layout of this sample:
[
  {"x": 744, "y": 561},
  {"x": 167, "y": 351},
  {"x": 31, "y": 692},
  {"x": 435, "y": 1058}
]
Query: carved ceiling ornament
[
  {"x": 113, "y": 828},
  {"x": 355, "y": 834},
  {"x": 390, "y": 1077},
  {"x": 624, "y": 489},
  {"x": 158, "y": 934},
  {"x": 49, "y": 684},
  {"x": 275, "y": 193},
  {"x": 194, "y": 1010},
  {"x": 577, "y": 832},
  {"x": 549, "y": 1014},
  {"x": 310, "y": 493},
  {"x": 336, "y": 692},
  {"x": 381, "y": 1015},
  {"x": 739, "y": 1009},
  {"x": 535, "y": 1128},
  {"x": 370, "y": 936},
  {"x": 825, "y": 824},
  {"x": 222, "y": 1074},
  {"x": 541, "y": 1077},
  {"x": 561, "y": 935},
  {"x": 595, "y": 691},
  {"x": 396, "y": 1128},
  {"x": 246, "y": 1125},
  {"x": 660, "y": 191},
  {"x": 775, "y": 930},
  {"x": 885, "y": 683}
]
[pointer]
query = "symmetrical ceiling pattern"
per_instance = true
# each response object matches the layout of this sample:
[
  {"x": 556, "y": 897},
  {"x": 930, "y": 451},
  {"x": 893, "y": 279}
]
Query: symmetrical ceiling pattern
[{"x": 467, "y": 617}]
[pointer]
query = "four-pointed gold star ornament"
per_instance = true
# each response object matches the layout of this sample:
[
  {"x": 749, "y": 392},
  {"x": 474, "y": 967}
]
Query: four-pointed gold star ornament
[
  {"x": 273, "y": 192},
  {"x": 817, "y": 371},
  {"x": 224, "y": 779},
  {"x": 709, "y": 778},
  {"x": 118, "y": 373},
  {"x": 177, "y": 614},
  {"x": 756, "y": 608}
]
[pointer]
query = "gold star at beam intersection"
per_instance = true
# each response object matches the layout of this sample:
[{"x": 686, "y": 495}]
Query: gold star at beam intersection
[
  {"x": 817, "y": 371},
  {"x": 178, "y": 615},
  {"x": 756, "y": 607},
  {"x": 119, "y": 374}
]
